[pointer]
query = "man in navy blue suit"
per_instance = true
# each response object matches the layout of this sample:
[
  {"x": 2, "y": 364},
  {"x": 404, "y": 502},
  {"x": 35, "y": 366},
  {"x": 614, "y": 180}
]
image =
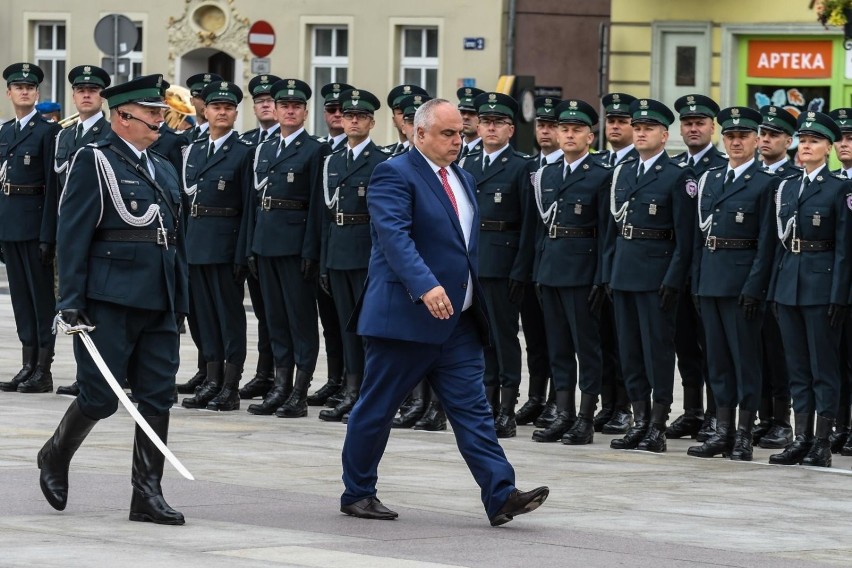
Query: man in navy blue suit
[{"x": 422, "y": 314}]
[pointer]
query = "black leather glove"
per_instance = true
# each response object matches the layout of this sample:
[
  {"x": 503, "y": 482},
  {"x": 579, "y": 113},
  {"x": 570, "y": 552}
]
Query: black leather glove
[
  {"x": 310, "y": 269},
  {"x": 668, "y": 297},
  {"x": 240, "y": 273},
  {"x": 325, "y": 284},
  {"x": 516, "y": 291},
  {"x": 46, "y": 252},
  {"x": 252, "y": 266},
  {"x": 180, "y": 318},
  {"x": 696, "y": 301},
  {"x": 608, "y": 290},
  {"x": 597, "y": 296},
  {"x": 76, "y": 317},
  {"x": 837, "y": 315},
  {"x": 750, "y": 306}
]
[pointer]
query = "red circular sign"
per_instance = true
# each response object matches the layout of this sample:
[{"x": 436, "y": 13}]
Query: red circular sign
[{"x": 261, "y": 38}]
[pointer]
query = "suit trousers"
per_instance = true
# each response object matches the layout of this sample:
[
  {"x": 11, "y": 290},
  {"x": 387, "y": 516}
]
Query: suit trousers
[
  {"x": 572, "y": 330},
  {"x": 346, "y": 288},
  {"x": 646, "y": 345},
  {"x": 291, "y": 311},
  {"x": 812, "y": 350},
  {"x": 31, "y": 291},
  {"x": 503, "y": 357},
  {"x": 733, "y": 353},
  {"x": 218, "y": 304},
  {"x": 141, "y": 345},
  {"x": 454, "y": 371}
]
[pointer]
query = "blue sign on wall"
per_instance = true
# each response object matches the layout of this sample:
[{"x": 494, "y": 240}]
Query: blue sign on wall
[{"x": 477, "y": 43}]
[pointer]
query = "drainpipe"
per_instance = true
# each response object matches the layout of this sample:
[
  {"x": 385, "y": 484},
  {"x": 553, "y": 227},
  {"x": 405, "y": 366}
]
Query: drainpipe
[{"x": 510, "y": 38}]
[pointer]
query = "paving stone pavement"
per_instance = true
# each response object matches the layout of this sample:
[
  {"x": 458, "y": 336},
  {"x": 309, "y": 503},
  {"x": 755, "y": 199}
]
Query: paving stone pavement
[{"x": 267, "y": 489}]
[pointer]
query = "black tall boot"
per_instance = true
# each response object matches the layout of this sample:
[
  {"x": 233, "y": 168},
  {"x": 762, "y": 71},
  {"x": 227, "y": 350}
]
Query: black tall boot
[
  {"x": 434, "y": 419},
  {"x": 780, "y": 434},
  {"x": 689, "y": 423},
  {"x": 332, "y": 385},
  {"x": 263, "y": 379},
  {"x": 622, "y": 416},
  {"x": 722, "y": 441},
  {"x": 279, "y": 393},
  {"x": 566, "y": 415},
  {"x": 548, "y": 415},
  {"x": 820, "y": 453},
  {"x": 41, "y": 380},
  {"x": 796, "y": 451},
  {"x": 840, "y": 435},
  {"x": 197, "y": 379},
  {"x": 211, "y": 387},
  {"x": 229, "y": 397},
  {"x": 505, "y": 422},
  {"x": 28, "y": 355},
  {"x": 492, "y": 395},
  {"x": 55, "y": 456},
  {"x": 708, "y": 425},
  {"x": 409, "y": 415},
  {"x": 583, "y": 430},
  {"x": 296, "y": 405},
  {"x": 641, "y": 422},
  {"x": 74, "y": 390},
  {"x": 350, "y": 397},
  {"x": 743, "y": 448},
  {"x": 534, "y": 405},
  {"x": 655, "y": 437},
  {"x": 765, "y": 420},
  {"x": 147, "y": 504}
]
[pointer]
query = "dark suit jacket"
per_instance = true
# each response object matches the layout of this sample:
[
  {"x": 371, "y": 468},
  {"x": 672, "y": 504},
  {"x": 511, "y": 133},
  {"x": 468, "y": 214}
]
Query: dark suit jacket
[
  {"x": 418, "y": 244},
  {"x": 66, "y": 146}
]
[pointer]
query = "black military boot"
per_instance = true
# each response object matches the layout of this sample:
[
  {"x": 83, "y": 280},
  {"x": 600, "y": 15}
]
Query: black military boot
[
  {"x": 721, "y": 442},
  {"x": 641, "y": 422},
  {"x": 708, "y": 425},
  {"x": 566, "y": 415},
  {"x": 583, "y": 430},
  {"x": 780, "y": 435},
  {"x": 435, "y": 419},
  {"x": 263, "y": 380},
  {"x": 743, "y": 449},
  {"x": 350, "y": 397},
  {"x": 846, "y": 450},
  {"x": 765, "y": 422},
  {"x": 197, "y": 379},
  {"x": 71, "y": 390},
  {"x": 209, "y": 389},
  {"x": 492, "y": 395},
  {"x": 689, "y": 423},
  {"x": 796, "y": 451},
  {"x": 147, "y": 504},
  {"x": 534, "y": 405},
  {"x": 41, "y": 380},
  {"x": 548, "y": 415},
  {"x": 820, "y": 453},
  {"x": 229, "y": 397},
  {"x": 279, "y": 393},
  {"x": 622, "y": 417},
  {"x": 416, "y": 408},
  {"x": 55, "y": 456},
  {"x": 505, "y": 423},
  {"x": 29, "y": 355},
  {"x": 655, "y": 437},
  {"x": 296, "y": 405},
  {"x": 839, "y": 437},
  {"x": 603, "y": 416}
]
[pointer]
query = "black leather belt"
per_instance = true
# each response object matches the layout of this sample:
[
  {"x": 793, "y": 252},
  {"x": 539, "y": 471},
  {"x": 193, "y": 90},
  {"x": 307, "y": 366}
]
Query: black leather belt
[
  {"x": 158, "y": 236},
  {"x": 798, "y": 245},
  {"x": 556, "y": 232},
  {"x": 486, "y": 225},
  {"x": 353, "y": 219},
  {"x": 204, "y": 211},
  {"x": 268, "y": 203},
  {"x": 714, "y": 243},
  {"x": 9, "y": 189},
  {"x": 630, "y": 232}
]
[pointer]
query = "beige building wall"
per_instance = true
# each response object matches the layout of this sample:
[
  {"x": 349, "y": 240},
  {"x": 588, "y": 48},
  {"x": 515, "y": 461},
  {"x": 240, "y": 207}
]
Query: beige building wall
[{"x": 176, "y": 43}]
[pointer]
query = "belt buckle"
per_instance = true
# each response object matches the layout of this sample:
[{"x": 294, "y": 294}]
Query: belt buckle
[
  {"x": 266, "y": 203},
  {"x": 796, "y": 246},
  {"x": 7, "y": 188},
  {"x": 194, "y": 210},
  {"x": 552, "y": 232},
  {"x": 338, "y": 218},
  {"x": 627, "y": 232},
  {"x": 710, "y": 243},
  {"x": 162, "y": 236}
]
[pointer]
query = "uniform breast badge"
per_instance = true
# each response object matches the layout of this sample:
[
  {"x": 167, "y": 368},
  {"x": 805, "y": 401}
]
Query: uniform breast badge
[
  {"x": 498, "y": 198},
  {"x": 740, "y": 217},
  {"x": 652, "y": 209},
  {"x": 817, "y": 220},
  {"x": 291, "y": 177}
]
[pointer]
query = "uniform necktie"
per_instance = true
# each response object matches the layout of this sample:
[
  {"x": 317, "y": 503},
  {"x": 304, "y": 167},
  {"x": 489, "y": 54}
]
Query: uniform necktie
[
  {"x": 843, "y": 174},
  {"x": 18, "y": 128},
  {"x": 350, "y": 157},
  {"x": 486, "y": 162},
  {"x": 281, "y": 146},
  {"x": 691, "y": 162},
  {"x": 613, "y": 159},
  {"x": 263, "y": 135},
  {"x": 729, "y": 179},
  {"x": 143, "y": 159},
  {"x": 566, "y": 171},
  {"x": 79, "y": 135},
  {"x": 211, "y": 149},
  {"x": 543, "y": 161},
  {"x": 465, "y": 151},
  {"x": 442, "y": 173},
  {"x": 641, "y": 171},
  {"x": 806, "y": 181}
]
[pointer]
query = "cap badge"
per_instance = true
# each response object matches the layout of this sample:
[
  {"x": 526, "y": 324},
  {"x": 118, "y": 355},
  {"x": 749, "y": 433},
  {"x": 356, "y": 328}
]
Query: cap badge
[
  {"x": 468, "y": 92},
  {"x": 616, "y": 98},
  {"x": 811, "y": 115},
  {"x": 643, "y": 104},
  {"x": 264, "y": 78},
  {"x": 291, "y": 84},
  {"x": 735, "y": 120},
  {"x": 772, "y": 110},
  {"x": 159, "y": 81},
  {"x": 207, "y": 78},
  {"x": 25, "y": 67},
  {"x": 87, "y": 70},
  {"x": 572, "y": 104},
  {"x": 735, "y": 112},
  {"x": 492, "y": 97},
  {"x": 692, "y": 107},
  {"x": 615, "y": 106},
  {"x": 406, "y": 89},
  {"x": 336, "y": 86},
  {"x": 356, "y": 94},
  {"x": 842, "y": 113},
  {"x": 690, "y": 99},
  {"x": 548, "y": 102},
  {"x": 808, "y": 124},
  {"x": 418, "y": 99},
  {"x": 224, "y": 85}
]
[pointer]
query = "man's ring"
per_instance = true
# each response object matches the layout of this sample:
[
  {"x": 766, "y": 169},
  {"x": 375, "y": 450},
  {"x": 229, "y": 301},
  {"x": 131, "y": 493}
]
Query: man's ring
[{"x": 440, "y": 303}]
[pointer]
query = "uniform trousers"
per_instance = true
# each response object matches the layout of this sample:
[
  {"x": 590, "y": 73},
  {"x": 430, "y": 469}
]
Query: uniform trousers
[
  {"x": 690, "y": 346},
  {"x": 776, "y": 381},
  {"x": 263, "y": 345},
  {"x": 346, "y": 288},
  {"x": 218, "y": 304},
  {"x": 31, "y": 291},
  {"x": 611, "y": 377},
  {"x": 331, "y": 330},
  {"x": 141, "y": 345},
  {"x": 503, "y": 357},
  {"x": 532, "y": 322}
]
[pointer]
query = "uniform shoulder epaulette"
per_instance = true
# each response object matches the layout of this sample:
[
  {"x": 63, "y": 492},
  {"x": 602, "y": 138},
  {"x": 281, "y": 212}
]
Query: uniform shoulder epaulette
[
  {"x": 385, "y": 150},
  {"x": 680, "y": 156},
  {"x": 604, "y": 165},
  {"x": 323, "y": 139},
  {"x": 245, "y": 142},
  {"x": 102, "y": 143},
  {"x": 339, "y": 150},
  {"x": 838, "y": 176},
  {"x": 318, "y": 138},
  {"x": 717, "y": 168},
  {"x": 681, "y": 164},
  {"x": 158, "y": 154},
  {"x": 11, "y": 120},
  {"x": 767, "y": 172},
  {"x": 522, "y": 155},
  {"x": 249, "y": 132}
]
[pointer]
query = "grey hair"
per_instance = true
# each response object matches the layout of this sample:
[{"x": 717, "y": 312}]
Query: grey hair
[{"x": 423, "y": 118}]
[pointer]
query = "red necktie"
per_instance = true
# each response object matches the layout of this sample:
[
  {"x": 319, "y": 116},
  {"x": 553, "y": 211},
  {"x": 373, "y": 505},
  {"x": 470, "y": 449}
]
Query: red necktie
[{"x": 446, "y": 183}]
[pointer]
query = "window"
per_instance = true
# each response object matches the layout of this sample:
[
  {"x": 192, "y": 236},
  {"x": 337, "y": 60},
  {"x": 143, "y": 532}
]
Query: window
[
  {"x": 419, "y": 58},
  {"x": 329, "y": 64},
  {"x": 135, "y": 56},
  {"x": 50, "y": 56}
]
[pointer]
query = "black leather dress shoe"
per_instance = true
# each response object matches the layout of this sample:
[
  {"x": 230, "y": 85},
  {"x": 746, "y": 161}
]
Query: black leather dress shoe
[
  {"x": 518, "y": 503},
  {"x": 369, "y": 508},
  {"x": 619, "y": 423},
  {"x": 71, "y": 390},
  {"x": 686, "y": 425}
]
